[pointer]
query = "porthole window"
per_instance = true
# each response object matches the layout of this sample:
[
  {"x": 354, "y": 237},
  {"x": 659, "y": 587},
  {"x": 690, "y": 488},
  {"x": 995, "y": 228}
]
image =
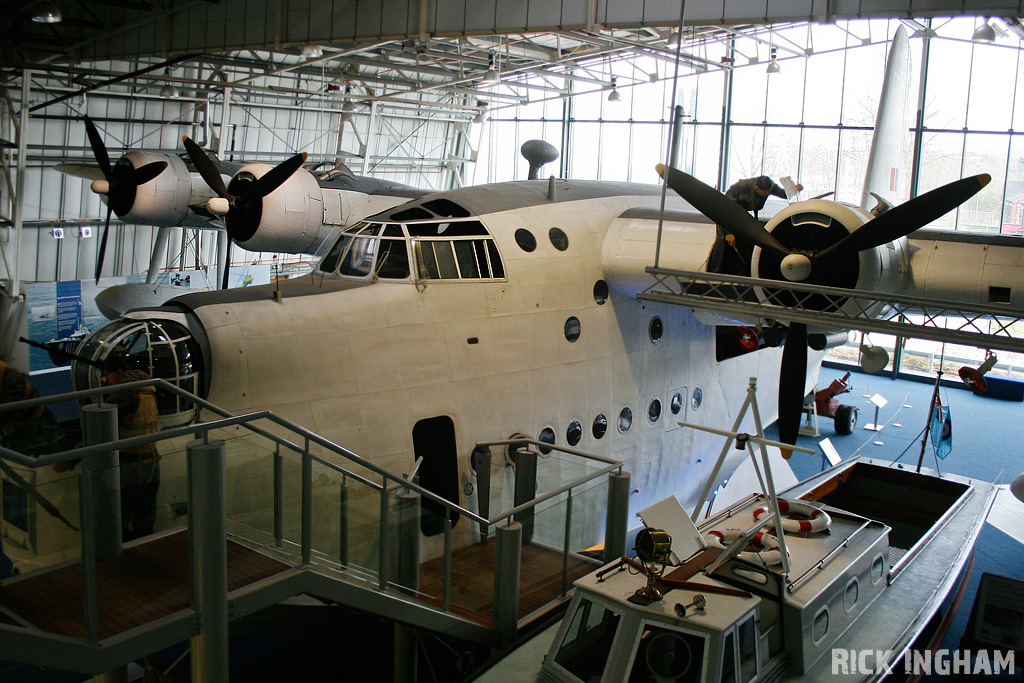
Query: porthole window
[
  {"x": 656, "y": 329},
  {"x": 601, "y": 292},
  {"x": 572, "y": 328},
  {"x": 547, "y": 435},
  {"x": 852, "y": 594},
  {"x": 654, "y": 411},
  {"x": 820, "y": 626},
  {"x": 697, "y": 398},
  {"x": 559, "y": 240},
  {"x": 876, "y": 570},
  {"x": 574, "y": 433},
  {"x": 600, "y": 426},
  {"x": 525, "y": 239},
  {"x": 676, "y": 403},
  {"x": 625, "y": 419}
]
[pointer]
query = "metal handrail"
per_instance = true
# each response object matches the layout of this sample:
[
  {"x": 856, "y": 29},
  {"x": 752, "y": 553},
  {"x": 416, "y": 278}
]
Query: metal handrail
[{"x": 226, "y": 419}]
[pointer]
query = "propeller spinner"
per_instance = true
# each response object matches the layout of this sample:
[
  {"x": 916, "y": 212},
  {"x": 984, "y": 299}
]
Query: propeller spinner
[
  {"x": 801, "y": 265},
  {"x": 119, "y": 183}
]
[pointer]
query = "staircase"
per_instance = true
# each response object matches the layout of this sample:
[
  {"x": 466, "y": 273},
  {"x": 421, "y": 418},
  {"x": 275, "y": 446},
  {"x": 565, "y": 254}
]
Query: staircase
[{"x": 259, "y": 510}]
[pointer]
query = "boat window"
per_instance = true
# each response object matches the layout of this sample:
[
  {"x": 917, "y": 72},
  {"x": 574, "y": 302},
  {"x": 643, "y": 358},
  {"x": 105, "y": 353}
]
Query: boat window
[
  {"x": 392, "y": 231},
  {"x": 668, "y": 655},
  {"x": 729, "y": 660},
  {"x": 588, "y": 641},
  {"x": 600, "y": 426},
  {"x": 820, "y": 625},
  {"x": 748, "y": 650},
  {"x": 446, "y": 208}
]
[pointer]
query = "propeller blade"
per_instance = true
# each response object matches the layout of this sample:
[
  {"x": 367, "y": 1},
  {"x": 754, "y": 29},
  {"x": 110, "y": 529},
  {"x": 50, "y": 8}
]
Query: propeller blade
[
  {"x": 205, "y": 167},
  {"x": 103, "y": 244},
  {"x": 227, "y": 266},
  {"x": 98, "y": 149},
  {"x": 275, "y": 177},
  {"x": 722, "y": 210},
  {"x": 792, "y": 377},
  {"x": 144, "y": 174},
  {"x": 904, "y": 219}
]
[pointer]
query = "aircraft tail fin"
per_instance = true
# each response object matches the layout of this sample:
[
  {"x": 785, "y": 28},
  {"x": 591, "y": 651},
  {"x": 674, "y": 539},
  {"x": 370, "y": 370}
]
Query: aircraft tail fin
[{"x": 886, "y": 174}]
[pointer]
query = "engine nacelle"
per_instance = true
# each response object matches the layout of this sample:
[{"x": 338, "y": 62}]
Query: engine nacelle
[
  {"x": 292, "y": 216},
  {"x": 165, "y": 200},
  {"x": 814, "y": 225}
]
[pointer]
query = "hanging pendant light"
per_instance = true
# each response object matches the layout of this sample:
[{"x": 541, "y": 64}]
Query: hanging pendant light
[
  {"x": 984, "y": 33},
  {"x": 614, "y": 95},
  {"x": 773, "y": 65},
  {"x": 491, "y": 75}
]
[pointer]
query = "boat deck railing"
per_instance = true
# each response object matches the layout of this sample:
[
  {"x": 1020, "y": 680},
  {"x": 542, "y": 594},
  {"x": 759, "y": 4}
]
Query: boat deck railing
[{"x": 339, "y": 524}]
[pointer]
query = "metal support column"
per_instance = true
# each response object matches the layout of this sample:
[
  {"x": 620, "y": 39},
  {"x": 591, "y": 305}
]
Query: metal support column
[
  {"x": 343, "y": 524},
  {"x": 481, "y": 464},
  {"x": 405, "y": 654},
  {"x": 407, "y": 539},
  {"x": 208, "y": 538},
  {"x": 507, "y": 556},
  {"x": 526, "y": 487},
  {"x": 101, "y": 475},
  {"x": 616, "y": 515},
  {"x": 100, "y": 509}
]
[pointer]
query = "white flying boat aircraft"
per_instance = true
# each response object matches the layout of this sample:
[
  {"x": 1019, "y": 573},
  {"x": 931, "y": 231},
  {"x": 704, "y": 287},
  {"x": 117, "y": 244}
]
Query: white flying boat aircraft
[{"x": 476, "y": 314}]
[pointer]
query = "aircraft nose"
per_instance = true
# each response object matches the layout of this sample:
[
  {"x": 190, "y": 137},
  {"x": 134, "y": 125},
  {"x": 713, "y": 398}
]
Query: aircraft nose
[{"x": 160, "y": 347}]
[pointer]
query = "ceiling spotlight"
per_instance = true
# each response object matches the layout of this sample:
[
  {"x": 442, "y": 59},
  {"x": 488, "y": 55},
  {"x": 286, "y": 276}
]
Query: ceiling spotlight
[
  {"x": 491, "y": 75},
  {"x": 773, "y": 66},
  {"x": 614, "y": 95},
  {"x": 984, "y": 33},
  {"x": 46, "y": 13},
  {"x": 348, "y": 107},
  {"x": 673, "y": 38},
  {"x": 479, "y": 118},
  {"x": 169, "y": 91},
  {"x": 312, "y": 52}
]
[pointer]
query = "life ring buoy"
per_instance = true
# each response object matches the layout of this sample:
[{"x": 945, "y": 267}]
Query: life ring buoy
[
  {"x": 771, "y": 554},
  {"x": 816, "y": 518}
]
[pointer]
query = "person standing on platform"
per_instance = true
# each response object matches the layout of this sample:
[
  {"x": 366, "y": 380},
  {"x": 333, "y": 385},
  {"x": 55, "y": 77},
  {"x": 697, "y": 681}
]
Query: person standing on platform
[{"x": 751, "y": 193}]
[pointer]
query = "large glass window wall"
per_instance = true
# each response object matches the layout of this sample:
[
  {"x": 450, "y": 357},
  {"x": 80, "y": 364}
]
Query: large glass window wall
[{"x": 812, "y": 121}]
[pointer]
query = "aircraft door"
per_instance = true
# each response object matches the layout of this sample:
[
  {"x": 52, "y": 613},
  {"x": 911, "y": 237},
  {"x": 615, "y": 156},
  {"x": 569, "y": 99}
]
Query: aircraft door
[{"x": 433, "y": 440}]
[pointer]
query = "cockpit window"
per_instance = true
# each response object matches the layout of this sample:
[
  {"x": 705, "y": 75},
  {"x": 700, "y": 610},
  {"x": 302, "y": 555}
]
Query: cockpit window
[
  {"x": 447, "y": 229},
  {"x": 358, "y": 260},
  {"x": 413, "y": 213},
  {"x": 446, "y": 208},
  {"x": 447, "y": 250}
]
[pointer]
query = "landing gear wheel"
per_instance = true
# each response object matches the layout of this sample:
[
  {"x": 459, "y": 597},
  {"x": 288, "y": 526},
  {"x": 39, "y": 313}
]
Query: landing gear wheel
[{"x": 845, "y": 419}]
